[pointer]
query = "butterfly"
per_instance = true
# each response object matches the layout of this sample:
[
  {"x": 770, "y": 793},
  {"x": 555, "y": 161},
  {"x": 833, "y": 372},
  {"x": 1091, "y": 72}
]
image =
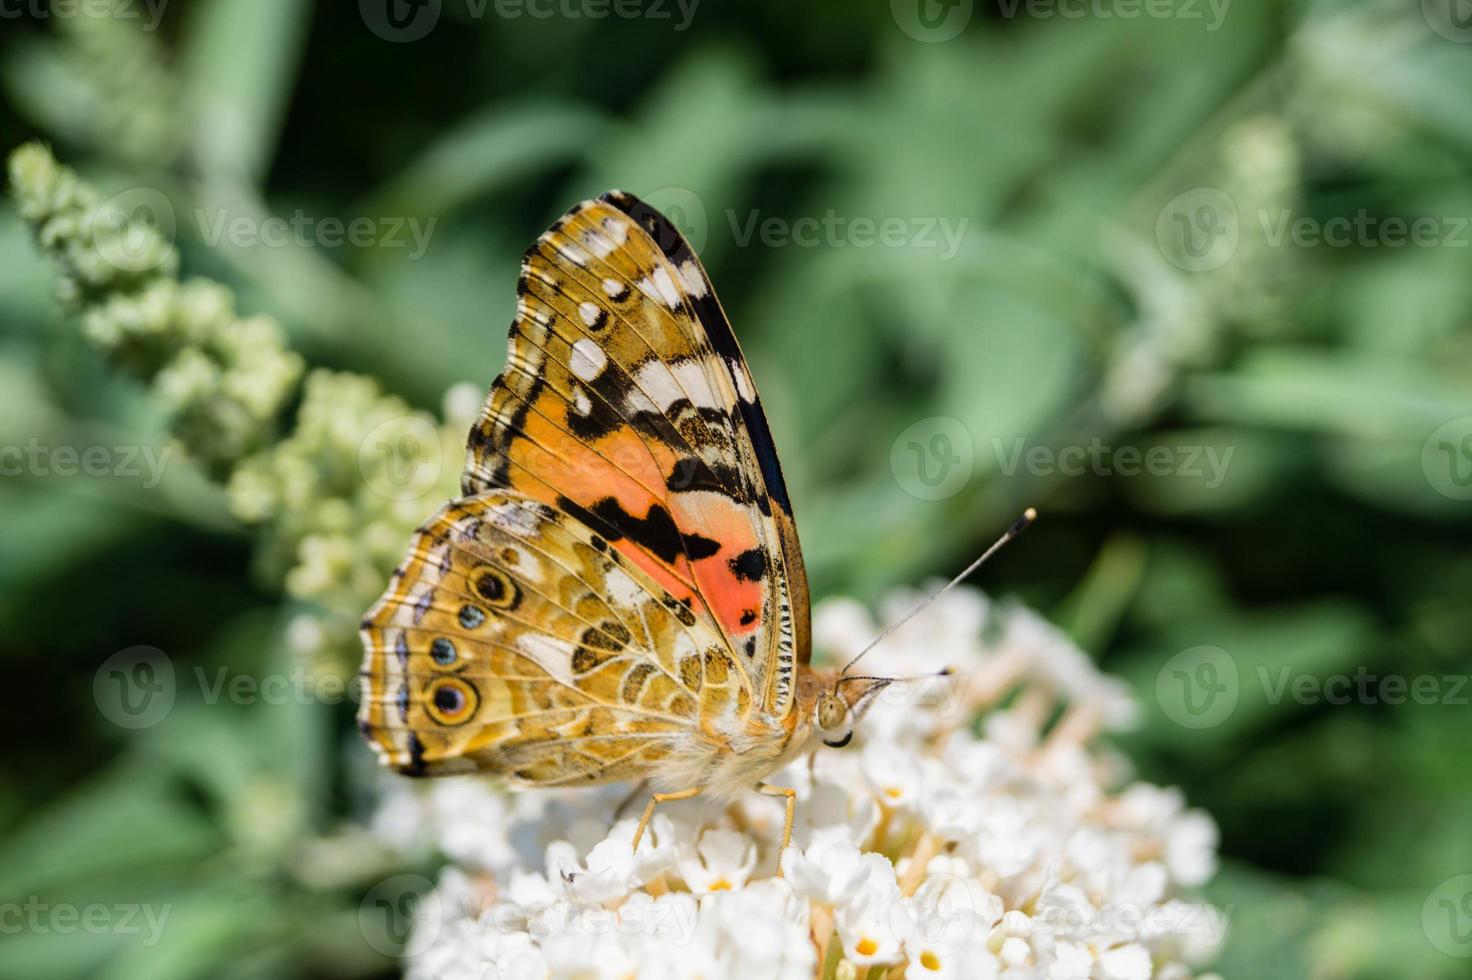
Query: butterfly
[{"x": 618, "y": 594}]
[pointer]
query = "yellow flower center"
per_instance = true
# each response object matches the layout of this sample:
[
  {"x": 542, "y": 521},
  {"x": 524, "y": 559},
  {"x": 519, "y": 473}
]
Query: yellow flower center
[
  {"x": 720, "y": 885},
  {"x": 929, "y": 960},
  {"x": 893, "y": 792},
  {"x": 866, "y": 947}
]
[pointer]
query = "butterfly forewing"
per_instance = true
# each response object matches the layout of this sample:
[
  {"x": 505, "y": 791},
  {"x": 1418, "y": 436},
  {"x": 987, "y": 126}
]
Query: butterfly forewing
[{"x": 626, "y": 401}]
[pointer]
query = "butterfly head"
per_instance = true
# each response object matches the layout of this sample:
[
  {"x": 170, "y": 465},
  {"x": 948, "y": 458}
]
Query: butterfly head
[
  {"x": 841, "y": 706},
  {"x": 835, "y": 702}
]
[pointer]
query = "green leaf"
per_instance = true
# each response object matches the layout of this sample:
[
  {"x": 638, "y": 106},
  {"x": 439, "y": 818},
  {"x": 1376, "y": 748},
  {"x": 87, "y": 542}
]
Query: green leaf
[{"x": 239, "y": 64}]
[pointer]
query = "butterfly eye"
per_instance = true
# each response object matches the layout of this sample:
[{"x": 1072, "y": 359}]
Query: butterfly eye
[
  {"x": 831, "y": 712},
  {"x": 452, "y": 701}
]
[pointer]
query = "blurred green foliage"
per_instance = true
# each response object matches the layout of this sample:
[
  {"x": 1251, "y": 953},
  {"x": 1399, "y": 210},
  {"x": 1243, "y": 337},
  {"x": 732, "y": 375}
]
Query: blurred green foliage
[{"x": 1329, "y": 376}]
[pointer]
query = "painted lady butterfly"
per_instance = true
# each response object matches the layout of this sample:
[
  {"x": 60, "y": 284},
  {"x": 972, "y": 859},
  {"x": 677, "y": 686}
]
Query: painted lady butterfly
[{"x": 619, "y": 593}]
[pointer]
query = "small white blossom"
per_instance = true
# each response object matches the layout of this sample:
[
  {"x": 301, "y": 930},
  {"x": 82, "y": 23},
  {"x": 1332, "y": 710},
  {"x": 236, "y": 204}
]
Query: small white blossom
[
  {"x": 832, "y": 870},
  {"x": 872, "y": 920},
  {"x": 721, "y": 861}
]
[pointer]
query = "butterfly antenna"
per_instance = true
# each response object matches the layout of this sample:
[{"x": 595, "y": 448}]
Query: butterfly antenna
[
  {"x": 943, "y": 672},
  {"x": 1021, "y": 524}
]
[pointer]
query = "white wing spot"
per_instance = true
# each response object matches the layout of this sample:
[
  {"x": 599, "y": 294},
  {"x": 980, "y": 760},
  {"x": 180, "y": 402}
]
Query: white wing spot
[
  {"x": 743, "y": 383},
  {"x": 598, "y": 244},
  {"x": 550, "y": 653},
  {"x": 666, "y": 287},
  {"x": 669, "y": 383},
  {"x": 694, "y": 282},
  {"x": 661, "y": 287},
  {"x": 616, "y": 229},
  {"x": 514, "y": 519},
  {"x": 588, "y": 359},
  {"x": 622, "y": 588},
  {"x": 690, "y": 372},
  {"x": 589, "y": 312},
  {"x": 654, "y": 377},
  {"x": 574, "y": 254}
]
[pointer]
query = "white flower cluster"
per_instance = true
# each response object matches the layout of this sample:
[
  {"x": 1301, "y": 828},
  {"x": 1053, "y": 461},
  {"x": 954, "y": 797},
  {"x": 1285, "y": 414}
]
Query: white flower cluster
[{"x": 923, "y": 850}]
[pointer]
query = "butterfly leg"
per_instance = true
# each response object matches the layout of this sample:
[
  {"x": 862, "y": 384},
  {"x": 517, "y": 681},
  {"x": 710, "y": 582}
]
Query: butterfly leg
[
  {"x": 767, "y": 789},
  {"x": 655, "y": 801}
]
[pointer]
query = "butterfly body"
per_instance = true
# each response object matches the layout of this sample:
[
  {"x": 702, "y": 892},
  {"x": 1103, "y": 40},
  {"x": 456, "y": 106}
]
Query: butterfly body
[{"x": 619, "y": 593}]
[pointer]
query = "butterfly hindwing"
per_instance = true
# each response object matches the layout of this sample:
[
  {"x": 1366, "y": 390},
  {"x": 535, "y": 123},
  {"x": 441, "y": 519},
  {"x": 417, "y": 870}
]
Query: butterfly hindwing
[{"x": 514, "y": 639}]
